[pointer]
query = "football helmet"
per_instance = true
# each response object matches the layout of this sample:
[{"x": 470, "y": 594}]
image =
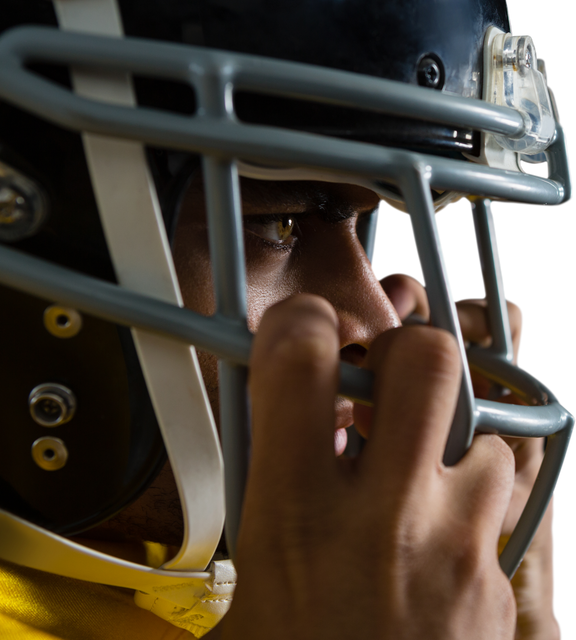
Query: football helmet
[{"x": 107, "y": 108}]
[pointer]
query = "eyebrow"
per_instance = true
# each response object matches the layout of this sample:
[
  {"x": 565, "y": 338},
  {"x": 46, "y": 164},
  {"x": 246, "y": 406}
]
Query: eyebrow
[
  {"x": 261, "y": 198},
  {"x": 280, "y": 197}
]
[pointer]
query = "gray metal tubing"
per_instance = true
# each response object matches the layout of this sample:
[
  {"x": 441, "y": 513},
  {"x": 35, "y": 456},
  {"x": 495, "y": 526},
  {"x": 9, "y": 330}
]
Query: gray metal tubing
[
  {"x": 366, "y": 232},
  {"x": 522, "y": 536},
  {"x": 228, "y": 267},
  {"x": 418, "y": 197},
  {"x": 506, "y": 374},
  {"x": 221, "y": 336},
  {"x": 264, "y": 144},
  {"x": 226, "y": 238},
  {"x": 541, "y": 421},
  {"x": 258, "y": 74},
  {"x": 236, "y": 440},
  {"x": 503, "y": 186},
  {"x": 476, "y": 415},
  {"x": 491, "y": 272},
  {"x": 519, "y": 421},
  {"x": 376, "y": 225},
  {"x": 228, "y": 138},
  {"x": 218, "y": 335},
  {"x": 492, "y": 275},
  {"x": 557, "y": 157},
  {"x": 223, "y": 204}
]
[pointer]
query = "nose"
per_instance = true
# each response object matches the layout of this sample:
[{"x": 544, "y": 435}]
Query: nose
[{"x": 346, "y": 279}]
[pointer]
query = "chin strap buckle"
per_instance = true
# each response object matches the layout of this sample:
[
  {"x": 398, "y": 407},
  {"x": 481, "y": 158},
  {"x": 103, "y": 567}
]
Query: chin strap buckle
[{"x": 203, "y": 608}]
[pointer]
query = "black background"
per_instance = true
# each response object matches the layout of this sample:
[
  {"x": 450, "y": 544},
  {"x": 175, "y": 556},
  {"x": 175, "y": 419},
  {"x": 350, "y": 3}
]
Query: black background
[{"x": 537, "y": 252}]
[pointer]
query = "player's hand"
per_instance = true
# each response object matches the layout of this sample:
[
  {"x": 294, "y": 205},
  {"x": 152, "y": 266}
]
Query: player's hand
[
  {"x": 390, "y": 546},
  {"x": 533, "y": 581}
]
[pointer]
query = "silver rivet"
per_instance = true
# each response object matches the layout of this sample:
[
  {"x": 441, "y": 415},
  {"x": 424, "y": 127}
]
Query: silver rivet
[
  {"x": 51, "y": 404},
  {"x": 62, "y": 322},
  {"x": 525, "y": 55},
  {"x": 49, "y": 454},
  {"x": 23, "y": 205}
]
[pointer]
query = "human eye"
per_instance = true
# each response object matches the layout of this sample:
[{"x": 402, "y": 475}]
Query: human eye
[{"x": 275, "y": 229}]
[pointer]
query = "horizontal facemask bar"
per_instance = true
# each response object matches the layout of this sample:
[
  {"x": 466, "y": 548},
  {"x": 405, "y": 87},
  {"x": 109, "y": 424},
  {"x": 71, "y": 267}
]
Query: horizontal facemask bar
[
  {"x": 215, "y": 131},
  {"x": 232, "y": 341},
  {"x": 201, "y": 67}
]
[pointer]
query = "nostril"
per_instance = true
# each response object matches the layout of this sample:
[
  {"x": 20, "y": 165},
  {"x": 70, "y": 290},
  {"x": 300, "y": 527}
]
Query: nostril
[{"x": 353, "y": 353}]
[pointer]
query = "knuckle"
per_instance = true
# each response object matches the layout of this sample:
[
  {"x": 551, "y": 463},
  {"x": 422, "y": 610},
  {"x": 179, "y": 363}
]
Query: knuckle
[
  {"x": 431, "y": 349},
  {"x": 514, "y": 317},
  {"x": 480, "y": 576},
  {"x": 468, "y": 564},
  {"x": 417, "y": 347},
  {"x": 514, "y": 312},
  {"x": 309, "y": 347},
  {"x": 301, "y": 331},
  {"x": 475, "y": 564},
  {"x": 472, "y": 315}
]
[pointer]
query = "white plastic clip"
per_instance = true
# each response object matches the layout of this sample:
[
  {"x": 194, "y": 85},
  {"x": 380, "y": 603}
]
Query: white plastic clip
[{"x": 512, "y": 79}]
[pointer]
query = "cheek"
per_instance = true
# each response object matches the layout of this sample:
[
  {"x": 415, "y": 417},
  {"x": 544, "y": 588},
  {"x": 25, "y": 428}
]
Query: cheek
[
  {"x": 263, "y": 292},
  {"x": 209, "y": 368},
  {"x": 192, "y": 262},
  {"x": 271, "y": 276}
]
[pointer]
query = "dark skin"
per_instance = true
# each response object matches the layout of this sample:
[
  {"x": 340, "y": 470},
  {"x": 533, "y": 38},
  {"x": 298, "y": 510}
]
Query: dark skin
[{"x": 319, "y": 259}]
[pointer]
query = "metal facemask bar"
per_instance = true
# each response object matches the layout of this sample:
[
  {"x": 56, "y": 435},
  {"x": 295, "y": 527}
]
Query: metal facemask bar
[{"x": 221, "y": 139}]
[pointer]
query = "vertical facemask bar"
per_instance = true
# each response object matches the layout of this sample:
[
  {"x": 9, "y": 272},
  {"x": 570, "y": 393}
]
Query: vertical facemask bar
[
  {"x": 235, "y": 437},
  {"x": 224, "y": 212},
  {"x": 223, "y": 206},
  {"x": 502, "y": 345},
  {"x": 419, "y": 204},
  {"x": 416, "y": 256},
  {"x": 366, "y": 232}
]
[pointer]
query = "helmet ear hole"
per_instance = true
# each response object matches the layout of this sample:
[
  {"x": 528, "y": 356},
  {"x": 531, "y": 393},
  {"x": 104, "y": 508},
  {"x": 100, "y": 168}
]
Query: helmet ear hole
[{"x": 431, "y": 72}]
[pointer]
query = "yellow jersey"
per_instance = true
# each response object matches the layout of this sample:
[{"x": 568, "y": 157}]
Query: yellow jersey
[{"x": 35, "y": 605}]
